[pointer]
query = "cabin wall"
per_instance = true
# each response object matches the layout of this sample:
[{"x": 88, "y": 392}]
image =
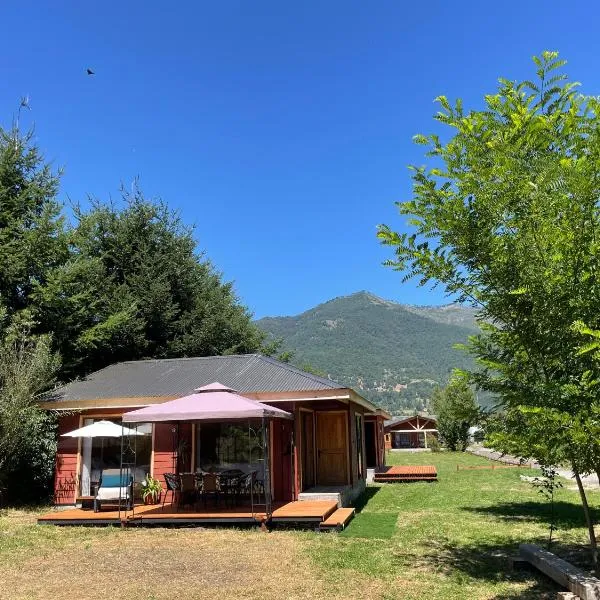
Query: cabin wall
[
  {"x": 281, "y": 460},
  {"x": 163, "y": 460},
  {"x": 66, "y": 477}
]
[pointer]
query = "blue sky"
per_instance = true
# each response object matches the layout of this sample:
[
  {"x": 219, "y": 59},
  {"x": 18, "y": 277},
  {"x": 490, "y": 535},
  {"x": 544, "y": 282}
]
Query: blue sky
[{"x": 281, "y": 130}]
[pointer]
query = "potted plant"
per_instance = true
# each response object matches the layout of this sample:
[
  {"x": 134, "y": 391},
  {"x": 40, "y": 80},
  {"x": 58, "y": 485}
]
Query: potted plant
[{"x": 151, "y": 490}]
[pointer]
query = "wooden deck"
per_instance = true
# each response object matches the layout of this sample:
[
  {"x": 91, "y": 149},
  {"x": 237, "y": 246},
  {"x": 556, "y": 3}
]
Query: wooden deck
[
  {"x": 297, "y": 512},
  {"x": 400, "y": 473}
]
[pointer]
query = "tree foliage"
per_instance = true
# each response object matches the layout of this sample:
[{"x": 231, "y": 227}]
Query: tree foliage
[
  {"x": 507, "y": 219},
  {"x": 113, "y": 283},
  {"x": 456, "y": 410},
  {"x": 27, "y": 444},
  {"x": 135, "y": 287}
]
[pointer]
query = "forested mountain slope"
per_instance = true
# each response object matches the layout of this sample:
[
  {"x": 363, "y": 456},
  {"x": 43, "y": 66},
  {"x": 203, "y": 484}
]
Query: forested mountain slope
[{"x": 393, "y": 353}]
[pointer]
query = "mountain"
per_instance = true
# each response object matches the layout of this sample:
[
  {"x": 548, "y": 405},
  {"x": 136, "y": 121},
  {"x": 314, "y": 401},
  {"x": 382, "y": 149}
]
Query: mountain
[{"x": 394, "y": 354}]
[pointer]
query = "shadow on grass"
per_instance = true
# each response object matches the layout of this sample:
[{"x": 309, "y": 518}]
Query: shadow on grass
[
  {"x": 364, "y": 499},
  {"x": 567, "y": 515},
  {"x": 489, "y": 561}
]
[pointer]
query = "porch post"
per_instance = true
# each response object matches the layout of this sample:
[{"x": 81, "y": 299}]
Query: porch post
[{"x": 425, "y": 435}]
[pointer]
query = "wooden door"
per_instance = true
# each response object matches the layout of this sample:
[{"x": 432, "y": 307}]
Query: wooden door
[
  {"x": 332, "y": 448},
  {"x": 307, "y": 435}
]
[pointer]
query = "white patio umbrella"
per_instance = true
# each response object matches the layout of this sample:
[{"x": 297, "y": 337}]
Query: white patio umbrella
[{"x": 102, "y": 429}]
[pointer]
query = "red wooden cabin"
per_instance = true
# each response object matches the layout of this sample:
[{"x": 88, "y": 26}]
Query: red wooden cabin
[{"x": 335, "y": 434}]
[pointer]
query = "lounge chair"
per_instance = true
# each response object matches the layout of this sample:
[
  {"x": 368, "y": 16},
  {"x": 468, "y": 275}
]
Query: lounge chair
[{"x": 115, "y": 486}]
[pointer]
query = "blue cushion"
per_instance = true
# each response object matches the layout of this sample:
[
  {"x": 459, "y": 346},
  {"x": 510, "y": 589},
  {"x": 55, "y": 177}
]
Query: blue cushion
[{"x": 115, "y": 480}]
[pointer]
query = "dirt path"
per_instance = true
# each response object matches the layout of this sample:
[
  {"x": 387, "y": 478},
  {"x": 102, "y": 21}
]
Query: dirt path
[{"x": 589, "y": 482}]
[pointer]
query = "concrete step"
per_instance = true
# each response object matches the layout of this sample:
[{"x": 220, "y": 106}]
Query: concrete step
[{"x": 336, "y": 497}]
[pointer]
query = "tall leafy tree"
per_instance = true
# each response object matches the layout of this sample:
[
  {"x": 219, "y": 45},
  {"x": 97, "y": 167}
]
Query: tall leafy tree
[
  {"x": 28, "y": 366},
  {"x": 135, "y": 287},
  {"x": 507, "y": 218},
  {"x": 456, "y": 410}
]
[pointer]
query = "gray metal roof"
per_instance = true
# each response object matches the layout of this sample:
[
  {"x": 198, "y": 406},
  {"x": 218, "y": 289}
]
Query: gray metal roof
[{"x": 179, "y": 376}]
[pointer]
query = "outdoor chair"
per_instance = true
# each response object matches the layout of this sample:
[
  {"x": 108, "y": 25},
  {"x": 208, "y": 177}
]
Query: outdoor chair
[
  {"x": 247, "y": 485},
  {"x": 173, "y": 482},
  {"x": 115, "y": 486},
  {"x": 229, "y": 483},
  {"x": 188, "y": 491},
  {"x": 211, "y": 486}
]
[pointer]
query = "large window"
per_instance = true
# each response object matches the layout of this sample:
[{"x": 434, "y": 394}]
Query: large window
[
  {"x": 98, "y": 454},
  {"x": 229, "y": 445}
]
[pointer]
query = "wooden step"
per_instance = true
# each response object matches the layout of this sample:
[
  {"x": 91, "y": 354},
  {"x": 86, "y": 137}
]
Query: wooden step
[
  {"x": 315, "y": 511},
  {"x": 338, "y": 520}
]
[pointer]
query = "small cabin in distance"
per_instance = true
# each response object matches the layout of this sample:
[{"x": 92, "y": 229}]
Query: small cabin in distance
[{"x": 410, "y": 432}]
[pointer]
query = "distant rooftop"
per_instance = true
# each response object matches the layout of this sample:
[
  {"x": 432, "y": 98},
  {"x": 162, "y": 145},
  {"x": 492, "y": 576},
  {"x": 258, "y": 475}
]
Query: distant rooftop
[{"x": 244, "y": 373}]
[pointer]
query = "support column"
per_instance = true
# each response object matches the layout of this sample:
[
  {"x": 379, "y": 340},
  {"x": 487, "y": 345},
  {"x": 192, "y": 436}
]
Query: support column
[{"x": 425, "y": 437}]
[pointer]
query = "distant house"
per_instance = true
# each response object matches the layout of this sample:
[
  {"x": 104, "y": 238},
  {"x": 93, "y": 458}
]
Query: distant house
[
  {"x": 334, "y": 436},
  {"x": 410, "y": 432}
]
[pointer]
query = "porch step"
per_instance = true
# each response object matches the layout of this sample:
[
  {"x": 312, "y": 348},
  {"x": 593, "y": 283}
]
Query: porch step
[
  {"x": 338, "y": 519},
  {"x": 336, "y": 497},
  {"x": 310, "y": 512}
]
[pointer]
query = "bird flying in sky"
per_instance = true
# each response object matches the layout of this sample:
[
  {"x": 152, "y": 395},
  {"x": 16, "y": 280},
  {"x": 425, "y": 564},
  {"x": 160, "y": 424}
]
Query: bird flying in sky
[{"x": 90, "y": 72}]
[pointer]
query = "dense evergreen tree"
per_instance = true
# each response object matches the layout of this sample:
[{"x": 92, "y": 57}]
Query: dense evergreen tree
[
  {"x": 31, "y": 226},
  {"x": 135, "y": 287}
]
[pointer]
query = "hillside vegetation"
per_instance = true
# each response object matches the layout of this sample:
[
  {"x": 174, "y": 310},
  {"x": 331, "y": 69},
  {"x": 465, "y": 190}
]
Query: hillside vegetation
[{"x": 394, "y": 354}]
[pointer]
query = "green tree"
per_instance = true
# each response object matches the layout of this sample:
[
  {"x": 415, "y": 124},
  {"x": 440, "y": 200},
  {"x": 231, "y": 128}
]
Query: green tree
[
  {"x": 135, "y": 287},
  {"x": 456, "y": 410},
  {"x": 31, "y": 226},
  {"x": 27, "y": 441},
  {"x": 507, "y": 219}
]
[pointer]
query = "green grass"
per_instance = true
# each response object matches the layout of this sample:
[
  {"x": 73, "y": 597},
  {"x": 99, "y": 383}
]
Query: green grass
[
  {"x": 447, "y": 540},
  {"x": 451, "y": 538}
]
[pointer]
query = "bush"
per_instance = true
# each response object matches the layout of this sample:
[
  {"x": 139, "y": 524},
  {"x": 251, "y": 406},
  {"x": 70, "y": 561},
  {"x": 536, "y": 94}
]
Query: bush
[{"x": 434, "y": 444}]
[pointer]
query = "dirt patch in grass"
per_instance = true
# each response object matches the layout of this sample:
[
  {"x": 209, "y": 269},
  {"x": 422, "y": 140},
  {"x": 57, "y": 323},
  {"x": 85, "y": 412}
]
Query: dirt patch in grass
[{"x": 160, "y": 564}]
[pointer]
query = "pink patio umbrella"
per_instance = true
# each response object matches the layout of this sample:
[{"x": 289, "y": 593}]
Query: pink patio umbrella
[{"x": 213, "y": 402}]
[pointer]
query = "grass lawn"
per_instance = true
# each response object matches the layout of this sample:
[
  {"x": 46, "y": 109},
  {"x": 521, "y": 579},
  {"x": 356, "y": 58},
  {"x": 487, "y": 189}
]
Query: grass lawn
[{"x": 444, "y": 540}]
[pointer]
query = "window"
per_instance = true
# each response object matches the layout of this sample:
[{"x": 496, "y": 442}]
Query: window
[{"x": 228, "y": 445}]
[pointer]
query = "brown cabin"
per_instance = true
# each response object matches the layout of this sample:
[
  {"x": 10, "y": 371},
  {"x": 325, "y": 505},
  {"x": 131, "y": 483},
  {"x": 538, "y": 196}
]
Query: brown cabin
[
  {"x": 335, "y": 434},
  {"x": 410, "y": 432}
]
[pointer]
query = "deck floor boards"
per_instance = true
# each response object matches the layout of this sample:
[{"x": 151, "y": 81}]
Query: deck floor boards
[
  {"x": 316, "y": 511},
  {"x": 407, "y": 473}
]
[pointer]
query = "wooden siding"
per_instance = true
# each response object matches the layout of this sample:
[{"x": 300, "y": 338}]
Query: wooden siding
[
  {"x": 163, "y": 451},
  {"x": 281, "y": 460},
  {"x": 66, "y": 478}
]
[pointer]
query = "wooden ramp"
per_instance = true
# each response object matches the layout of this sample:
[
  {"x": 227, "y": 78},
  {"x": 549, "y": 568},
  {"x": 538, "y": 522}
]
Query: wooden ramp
[
  {"x": 314, "y": 511},
  {"x": 337, "y": 520},
  {"x": 407, "y": 473}
]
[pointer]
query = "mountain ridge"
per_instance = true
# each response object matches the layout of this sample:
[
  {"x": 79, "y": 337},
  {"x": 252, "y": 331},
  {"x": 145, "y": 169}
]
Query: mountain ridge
[{"x": 392, "y": 353}]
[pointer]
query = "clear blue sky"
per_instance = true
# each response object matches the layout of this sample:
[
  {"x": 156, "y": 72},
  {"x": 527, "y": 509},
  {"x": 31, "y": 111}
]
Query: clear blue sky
[{"x": 282, "y": 130}]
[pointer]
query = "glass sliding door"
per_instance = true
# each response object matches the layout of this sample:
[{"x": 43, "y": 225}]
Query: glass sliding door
[
  {"x": 102, "y": 453},
  {"x": 235, "y": 445}
]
